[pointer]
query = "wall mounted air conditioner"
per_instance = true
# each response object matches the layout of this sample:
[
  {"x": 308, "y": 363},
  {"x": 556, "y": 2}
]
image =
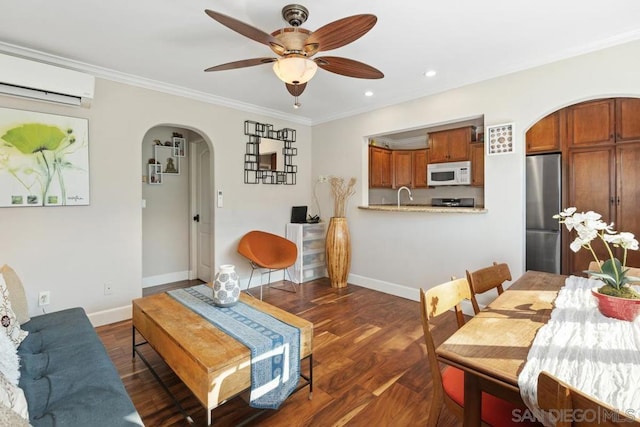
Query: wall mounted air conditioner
[{"x": 31, "y": 79}]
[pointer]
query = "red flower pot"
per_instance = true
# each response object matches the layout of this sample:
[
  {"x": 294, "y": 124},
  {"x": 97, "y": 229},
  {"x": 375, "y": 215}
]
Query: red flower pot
[{"x": 618, "y": 308}]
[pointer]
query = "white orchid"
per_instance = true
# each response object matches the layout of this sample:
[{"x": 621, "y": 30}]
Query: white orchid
[
  {"x": 623, "y": 239},
  {"x": 565, "y": 213},
  {"x": 589, "y": 227}
]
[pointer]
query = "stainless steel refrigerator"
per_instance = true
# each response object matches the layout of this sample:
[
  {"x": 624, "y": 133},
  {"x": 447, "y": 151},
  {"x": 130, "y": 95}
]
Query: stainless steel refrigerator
[{"x": 543, "y": 201}]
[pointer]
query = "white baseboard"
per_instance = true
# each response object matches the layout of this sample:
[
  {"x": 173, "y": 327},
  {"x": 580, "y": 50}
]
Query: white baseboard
[
  {"x": 162, "y": 279},
  {"x": 398, "y": 290},
  {"x": 386, "y": 287},
  {"x": 119, "y": 314},
  {"x": 112, "y": 315}
]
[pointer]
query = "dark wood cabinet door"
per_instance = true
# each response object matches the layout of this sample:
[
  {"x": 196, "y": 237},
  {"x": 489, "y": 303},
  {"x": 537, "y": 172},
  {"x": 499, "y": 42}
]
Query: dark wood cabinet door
[
  {"x": 628, "y": 195},
  {"x": 402, "y": 168},
  {"x": 379, "y": 167},
  {"x": 450, "y": 145},
  {"x": 477, "y": 165},
  {"x": 591, "y": 188},
  {"x": 591, "y": 123},
  {"x": 459, "y": 140},
  {"x": 439, "y": 147},
  {"x": 544, "y": 136},
  {"x": 420, "y": 168},
  {"x": 627, "y": 119}
]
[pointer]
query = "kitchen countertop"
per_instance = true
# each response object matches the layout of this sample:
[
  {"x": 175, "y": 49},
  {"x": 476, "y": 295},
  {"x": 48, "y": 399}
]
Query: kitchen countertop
[{"x": 423, "y": 208}]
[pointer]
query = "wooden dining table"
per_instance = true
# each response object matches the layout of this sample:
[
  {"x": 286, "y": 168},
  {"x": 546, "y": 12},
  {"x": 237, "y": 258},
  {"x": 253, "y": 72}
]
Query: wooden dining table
[{"x": 492, "y": 347}]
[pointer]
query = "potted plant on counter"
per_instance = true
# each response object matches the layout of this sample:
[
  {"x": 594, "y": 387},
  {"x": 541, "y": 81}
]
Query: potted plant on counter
[{"x": 616, "y": 298}]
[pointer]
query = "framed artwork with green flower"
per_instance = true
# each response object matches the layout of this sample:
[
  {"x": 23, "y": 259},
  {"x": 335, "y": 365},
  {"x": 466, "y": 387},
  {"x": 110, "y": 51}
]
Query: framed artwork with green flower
[{"x": 44, "y": 159}]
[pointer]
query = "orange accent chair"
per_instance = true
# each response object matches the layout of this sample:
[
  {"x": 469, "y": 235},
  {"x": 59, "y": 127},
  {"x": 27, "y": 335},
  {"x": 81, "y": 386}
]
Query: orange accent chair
[{"x": 268, "y": 251}]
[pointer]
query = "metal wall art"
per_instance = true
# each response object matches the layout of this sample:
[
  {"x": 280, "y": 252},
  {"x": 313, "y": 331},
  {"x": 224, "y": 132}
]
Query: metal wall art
[{"x": 256, "y": 167}]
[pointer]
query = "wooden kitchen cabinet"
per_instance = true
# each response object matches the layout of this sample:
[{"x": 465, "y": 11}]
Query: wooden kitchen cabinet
[
  {"x": 477, "y": 164},
  {"x": 420, "y": 160},
  {"x": 544, "y": 136},
  {"x": 591, "y": 187},
  {"x": 380, "y": 167},
  {"x": 397, "y": 168},
  {"x": 628, "y": 194},
  {"x": 600, "y": 145},
  {"x": 402, "y": 168},
  {"x": 606, "y": 180},
  {"x": 450, "y": 145},
  {"x": 591, "y": 123},
  {"x": 627, "y": 119}
]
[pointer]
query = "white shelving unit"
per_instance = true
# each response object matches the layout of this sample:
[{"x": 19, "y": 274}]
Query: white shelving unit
[{"x": 309, "y": 238}]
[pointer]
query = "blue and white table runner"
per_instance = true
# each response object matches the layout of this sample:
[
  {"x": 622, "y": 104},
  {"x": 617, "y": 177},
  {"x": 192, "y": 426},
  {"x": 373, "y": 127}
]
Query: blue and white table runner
[{"x": 274, "y": 345}]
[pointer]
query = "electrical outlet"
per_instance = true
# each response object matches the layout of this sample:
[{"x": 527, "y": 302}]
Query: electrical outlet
[
  {"x": 322, "y": 179},
  {"x": 44, "y": 298},
  {"x": 108, "y": 289}
]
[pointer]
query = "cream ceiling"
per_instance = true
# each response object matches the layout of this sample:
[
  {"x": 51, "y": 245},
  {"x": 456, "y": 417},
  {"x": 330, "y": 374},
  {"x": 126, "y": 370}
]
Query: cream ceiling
[{"x": 167, "y": 44}]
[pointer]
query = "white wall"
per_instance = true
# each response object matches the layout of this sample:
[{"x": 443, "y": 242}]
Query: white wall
[
  {"x": 73, "y": 251},
  {"x": 399, "y": 252}
]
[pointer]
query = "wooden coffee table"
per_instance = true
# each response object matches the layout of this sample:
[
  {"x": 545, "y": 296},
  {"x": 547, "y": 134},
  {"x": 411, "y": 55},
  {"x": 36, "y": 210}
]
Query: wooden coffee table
[{"x": 212, "y": 364}]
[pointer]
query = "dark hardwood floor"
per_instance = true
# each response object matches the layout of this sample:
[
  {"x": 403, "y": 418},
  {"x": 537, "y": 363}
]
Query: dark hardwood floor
[{"x": 370, "y": 365}]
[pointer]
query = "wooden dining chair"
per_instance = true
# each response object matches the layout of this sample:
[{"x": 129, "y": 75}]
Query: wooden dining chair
[
  {"x": 448, "y": 385},
  {"x": 571, "y": 407},
  {"x": 485, "y": 279}
]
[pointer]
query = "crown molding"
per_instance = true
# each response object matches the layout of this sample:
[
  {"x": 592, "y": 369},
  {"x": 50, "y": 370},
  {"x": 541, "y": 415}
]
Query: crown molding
[{"x": 132, "y": 80}]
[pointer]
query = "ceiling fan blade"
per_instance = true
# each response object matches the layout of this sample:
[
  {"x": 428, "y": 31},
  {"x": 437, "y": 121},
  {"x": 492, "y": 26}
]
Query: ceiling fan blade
[
  {"x": 241, "y": 64},
  {"x": 296, "y": 90},
  {"x": 348, "y": 67},
  {"x": 244, "y": 29},
  {"x": 341, "y": 32}
]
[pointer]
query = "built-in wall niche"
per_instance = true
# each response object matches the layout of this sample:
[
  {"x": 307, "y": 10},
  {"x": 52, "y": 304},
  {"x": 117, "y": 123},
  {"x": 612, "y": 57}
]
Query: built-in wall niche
[
  {"x": 269, "y": 154},
  {"x": 166, "y": 158}
]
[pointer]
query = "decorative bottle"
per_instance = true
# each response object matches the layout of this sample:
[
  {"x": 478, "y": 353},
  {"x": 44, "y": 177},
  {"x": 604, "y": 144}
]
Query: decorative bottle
[{"x": 226, "y": 286}]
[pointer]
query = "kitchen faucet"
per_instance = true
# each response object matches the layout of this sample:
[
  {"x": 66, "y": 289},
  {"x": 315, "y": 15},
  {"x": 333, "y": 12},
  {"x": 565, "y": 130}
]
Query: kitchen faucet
[{"x": 404, "y": 188}]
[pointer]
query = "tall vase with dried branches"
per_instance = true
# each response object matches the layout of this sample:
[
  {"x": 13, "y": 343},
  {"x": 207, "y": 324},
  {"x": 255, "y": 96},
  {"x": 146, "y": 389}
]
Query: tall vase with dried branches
[{"x": 338, "y": 242}]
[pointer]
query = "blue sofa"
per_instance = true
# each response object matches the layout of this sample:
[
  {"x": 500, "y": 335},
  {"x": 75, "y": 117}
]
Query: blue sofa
[{"x": 68, "y": 377}]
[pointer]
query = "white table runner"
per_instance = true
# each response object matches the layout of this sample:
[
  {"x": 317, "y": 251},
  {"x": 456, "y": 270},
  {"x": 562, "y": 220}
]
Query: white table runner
[{"x": 580, "y": 346}]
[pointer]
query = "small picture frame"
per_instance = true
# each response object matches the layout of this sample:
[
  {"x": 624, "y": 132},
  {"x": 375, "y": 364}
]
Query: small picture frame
[
  {"x": 155, "y": 174},
  {"x": 499, "y": 139},
  {"x": 179, "y": 147}
]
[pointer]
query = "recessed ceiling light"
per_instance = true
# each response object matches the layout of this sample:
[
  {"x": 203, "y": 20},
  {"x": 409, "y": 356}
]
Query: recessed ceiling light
[
  {"x": 430, "y": 73},
  {"x": 368, "y": 93}
]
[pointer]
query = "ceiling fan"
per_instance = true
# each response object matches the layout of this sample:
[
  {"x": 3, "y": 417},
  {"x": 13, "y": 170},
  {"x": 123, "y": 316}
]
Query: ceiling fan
[{"x": 295, "y": 46}]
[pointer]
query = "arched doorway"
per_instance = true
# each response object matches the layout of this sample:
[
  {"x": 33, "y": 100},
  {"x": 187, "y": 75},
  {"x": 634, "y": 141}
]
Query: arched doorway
[
  {"x": 599, "y": 144},
  {"x": 176, "y": 206}
]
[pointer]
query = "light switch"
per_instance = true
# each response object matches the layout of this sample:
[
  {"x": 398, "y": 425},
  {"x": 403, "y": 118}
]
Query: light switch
[
  {"x": 219, "y": 198},
  {"x": 144, "y": 203}
]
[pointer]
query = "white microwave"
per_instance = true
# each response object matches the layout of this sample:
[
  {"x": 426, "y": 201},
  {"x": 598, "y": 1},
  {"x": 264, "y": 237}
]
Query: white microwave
[{"x": 452, "y": 173}]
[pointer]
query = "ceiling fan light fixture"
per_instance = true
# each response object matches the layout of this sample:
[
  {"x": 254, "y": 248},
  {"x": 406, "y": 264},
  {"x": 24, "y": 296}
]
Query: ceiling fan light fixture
[{"x": 295, "y": 70}]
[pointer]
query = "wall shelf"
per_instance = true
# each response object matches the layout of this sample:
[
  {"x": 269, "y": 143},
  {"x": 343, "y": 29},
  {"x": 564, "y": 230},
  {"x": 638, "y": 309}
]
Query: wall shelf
[{"x": 166, "y": 159}]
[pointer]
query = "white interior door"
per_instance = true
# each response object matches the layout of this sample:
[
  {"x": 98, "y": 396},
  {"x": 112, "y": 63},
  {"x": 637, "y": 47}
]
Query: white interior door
[{"x": 203, "y": 212}]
